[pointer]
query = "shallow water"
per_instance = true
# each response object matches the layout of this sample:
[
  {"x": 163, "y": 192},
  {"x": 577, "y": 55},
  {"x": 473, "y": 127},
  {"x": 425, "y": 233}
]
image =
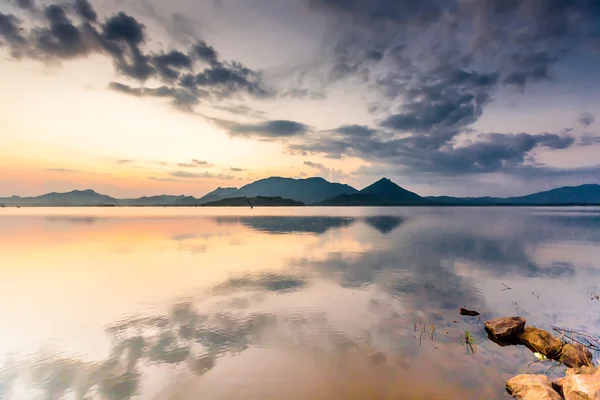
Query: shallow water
[{"x": 284, "y": 303}]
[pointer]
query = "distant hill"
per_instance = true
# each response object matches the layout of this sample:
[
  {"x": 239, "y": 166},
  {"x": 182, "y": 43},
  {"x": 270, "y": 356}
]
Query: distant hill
[
  {"x": 151, "y": 200},
  {"x": 308, "y": 191},
  {"x": 580, "y": 195},
  {"x": 258, "y": 201},
  {"x": 568, "y": 194},
  {"x": 74, "y": 198},
  {"x": 384, "y": 192}
]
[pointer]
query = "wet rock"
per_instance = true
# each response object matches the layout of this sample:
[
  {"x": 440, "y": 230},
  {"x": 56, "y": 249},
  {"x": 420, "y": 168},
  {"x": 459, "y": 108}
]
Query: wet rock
[
  {"x": 471, "y": 313},
  {"x": 531, "y": 387},
  {"x": 505, "y": 328},
  {"x": 541, "y": 341},
  {"x": 579, "y": 384},
  {"x": 576, "y": 355}
]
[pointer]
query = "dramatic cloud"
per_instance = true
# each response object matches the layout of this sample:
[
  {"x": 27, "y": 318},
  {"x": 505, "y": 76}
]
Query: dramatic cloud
[
  {"x": 178, "y": 96},
  {"x": 586, "y": 119},
  {"x": 168, "y": 64},
  {"x": 85, "y": 9},
  {"x": 187, "y": 75},
  {"x": 493, "y": 152},
  {"x": 427, "y": 71},
  {"x": 267, "y": 130},
  {"x": 10, "y": 31},
  {"x": 236, "y": 169},
  {"x": 206, "y": 53}
]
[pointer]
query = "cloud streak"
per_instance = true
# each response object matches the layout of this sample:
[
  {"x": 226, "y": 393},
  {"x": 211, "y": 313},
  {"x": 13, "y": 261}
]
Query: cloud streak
[{"x": 200, "y": 175}]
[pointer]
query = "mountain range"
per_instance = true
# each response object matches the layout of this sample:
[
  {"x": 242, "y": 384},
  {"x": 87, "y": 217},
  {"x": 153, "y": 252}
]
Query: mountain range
[{"x": 277, "y": 191}]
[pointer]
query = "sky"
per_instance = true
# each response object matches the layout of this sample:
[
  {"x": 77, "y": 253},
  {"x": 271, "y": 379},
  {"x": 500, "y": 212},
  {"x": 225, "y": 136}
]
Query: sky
[{"x": 145, "y": 97}]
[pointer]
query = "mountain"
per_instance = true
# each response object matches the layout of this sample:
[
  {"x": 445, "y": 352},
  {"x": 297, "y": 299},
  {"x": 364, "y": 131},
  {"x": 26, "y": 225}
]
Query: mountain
[
  {"x": 218, "y": 194},
  {"x": 308, "y": 191},
  {"x": 384, "y": 192},
  {"x": 580, "y": 195},
  {"x": 162, "y": 200},
  {"x": 584, "y": 194},
  {"x": 73, "y": 198},
  {"x": 258, "y": 201}
]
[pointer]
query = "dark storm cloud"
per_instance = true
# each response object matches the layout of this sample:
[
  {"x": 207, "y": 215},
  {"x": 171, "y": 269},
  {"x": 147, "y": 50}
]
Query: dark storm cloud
[
  {"x": 85, "y": 10},
  {"x": 124, "y": 28},
  {"x": 355, "y": 130},
  {"x": 443, "y": 61},
  {"x": 205, "y": 52},
  {"x": 62, "y": 39},
  {"x": 70, "y": 32},
  {"x": 267, "y": 130},
  {"x": 493, "y": 152},
  {"x": 530, "y": 68},
  {"x": 26, "y": 4},
  {"x": 368, "y": 12},
  {"x": 224, "y": 79},
  {"x": 168, "y": 64},
  {"x": 178, "y": 96},
  {"x": 586, "y": 119},
  {"x": 10, "y": 30}
]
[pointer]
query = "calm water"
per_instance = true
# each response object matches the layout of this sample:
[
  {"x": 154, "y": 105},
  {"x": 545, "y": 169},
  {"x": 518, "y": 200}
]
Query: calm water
[{"x": 140, "y": 303}]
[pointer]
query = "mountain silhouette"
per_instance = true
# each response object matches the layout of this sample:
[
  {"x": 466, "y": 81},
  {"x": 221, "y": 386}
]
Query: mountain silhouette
[
  {"x": 259, "y": 201},
  {"x": 314, "y": 191},
  {"x": 581, "y": 195},
  {"x": 218, "y": 194},
  {"x": 384, "y": 192},
  {"x": 308, "y": 191},
  {"x": 73, "y": 198}
]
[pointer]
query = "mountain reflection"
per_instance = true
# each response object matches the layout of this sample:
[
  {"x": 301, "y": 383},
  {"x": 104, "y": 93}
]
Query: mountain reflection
[
  {"x": 276, "y": 225},
  {"x": 384, "y": 224}
]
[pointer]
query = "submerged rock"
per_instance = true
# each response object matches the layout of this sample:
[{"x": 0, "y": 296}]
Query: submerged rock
[
  {"x": 576, "y": 355},
  {"x": 471, "y": 313},
  {"x": 541, "y": 341},
  {"x": 505, "y": 328},
  {"x": 531, "y": 387},
  {"x": 579, "y": 384}
]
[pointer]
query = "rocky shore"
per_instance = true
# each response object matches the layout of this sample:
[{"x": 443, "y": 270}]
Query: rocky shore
[{"x": 582, "y": 379}]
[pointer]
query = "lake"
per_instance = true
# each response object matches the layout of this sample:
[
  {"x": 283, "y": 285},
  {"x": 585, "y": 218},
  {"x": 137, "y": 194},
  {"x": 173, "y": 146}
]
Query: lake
[{"x": 284, "y": 303}]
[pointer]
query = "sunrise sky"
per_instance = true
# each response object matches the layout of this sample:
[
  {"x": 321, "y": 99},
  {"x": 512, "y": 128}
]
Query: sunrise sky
[{"x": 142, "y": 97}]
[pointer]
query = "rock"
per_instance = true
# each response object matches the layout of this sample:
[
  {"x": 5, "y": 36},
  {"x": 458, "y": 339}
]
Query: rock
[
  {"x": 471, "y": 313},
  {"x": 541, "y": 341},
  {"x": 531, "y": 387},
  {"x": 576, "y": 355},
  {"x": 579, "y": 384},
  {"x": 506, "y": 327}
]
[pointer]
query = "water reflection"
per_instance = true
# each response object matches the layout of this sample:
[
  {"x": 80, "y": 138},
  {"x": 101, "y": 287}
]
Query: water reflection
[
  {"x": 274, "y": 225},
  {"x": 285, "y": 306}
]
